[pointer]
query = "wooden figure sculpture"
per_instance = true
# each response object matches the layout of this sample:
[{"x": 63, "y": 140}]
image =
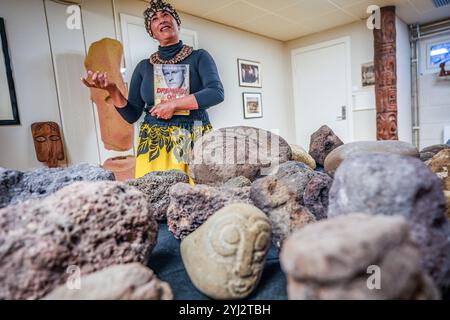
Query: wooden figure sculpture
[
  {"x": 385, "y": 61},
  {"x": 48, "y": 143},
  {"x": 117, "y": 134},
  {"x": 106, "y": 56}
]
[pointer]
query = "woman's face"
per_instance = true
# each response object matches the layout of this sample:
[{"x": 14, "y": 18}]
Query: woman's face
[{"x": 164, "y": 26}]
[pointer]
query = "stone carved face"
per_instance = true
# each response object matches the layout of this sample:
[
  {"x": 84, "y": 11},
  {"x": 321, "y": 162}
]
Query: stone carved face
[
  {"x": 241, "y": 241},
  {"x": 225, "y": 256},
  {"x": 47, "y": 143}
]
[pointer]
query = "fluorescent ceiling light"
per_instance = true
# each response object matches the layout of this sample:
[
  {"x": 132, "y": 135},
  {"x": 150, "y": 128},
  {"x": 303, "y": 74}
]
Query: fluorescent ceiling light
[{"x": 437, "y": 52}]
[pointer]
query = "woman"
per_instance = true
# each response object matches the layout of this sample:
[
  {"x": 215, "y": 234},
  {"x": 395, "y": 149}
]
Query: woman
[{"x": 171, "y": 127}]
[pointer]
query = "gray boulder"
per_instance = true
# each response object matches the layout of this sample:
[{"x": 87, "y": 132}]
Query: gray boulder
[
  {"x": 396, "y": 185},
  {"x": 131, "y": 281},
  {"x": 430, "y": 151},
  {"x": 156, "y": 185},
  {"x": 323, "y": 141},
  {"x": 335, "y": 158},
  {"x": 280, "y": 196},
  {"x": 238, "y": 182},
  {"x": 17, "y": 186},
  {"x": 236, "y": 151},
  {"x": 357, "y": 257},
  {"x": 190, "y": 206},
  {"x": 315, "y": 196}
]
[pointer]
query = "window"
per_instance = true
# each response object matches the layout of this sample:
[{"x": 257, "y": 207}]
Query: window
[
  {"x": 439, "y": 53},
  {"x": 433, "y": 52}
]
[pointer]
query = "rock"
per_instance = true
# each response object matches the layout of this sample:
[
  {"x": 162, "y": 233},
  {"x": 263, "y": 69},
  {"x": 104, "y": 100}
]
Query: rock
[
  {"x": 315, "y": 196},
  {"x": 280, "y": 196},
  {"x": 301, "y": 155},
  {"x": 286, "y": 220},
  {"x": 238, "y": 182},
  {"x": 17, "y": 186},
  {"x": 225, "y": 257},
  {"x": 335, "y": 158},
  {"x": 236, "y": 151},
  {"x": 396, "y": 185},
  {"x": 131, "y": 281},
  {"x": 440, "y": 164},
  {"x": 156, "y": 185},
  {"x": 429, "y": 152},
  {"x": 190, "y": 206},
  {"x": 323, "y": 141},
  {"x": 341, "y": 258},
  {"x": 90, "y": 225}
]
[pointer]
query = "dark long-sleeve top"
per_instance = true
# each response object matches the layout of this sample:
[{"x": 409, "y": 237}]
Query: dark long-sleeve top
[{"x": 205, "y": 85}]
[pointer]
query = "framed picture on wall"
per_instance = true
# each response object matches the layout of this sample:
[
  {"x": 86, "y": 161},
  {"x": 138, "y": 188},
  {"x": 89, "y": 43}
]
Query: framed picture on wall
[
  {"x": 8, "y": 102},
  {"x": 368, "y": 74},
  {"x": 250, "y": 73},
  {"x": 252, "y": 105}
]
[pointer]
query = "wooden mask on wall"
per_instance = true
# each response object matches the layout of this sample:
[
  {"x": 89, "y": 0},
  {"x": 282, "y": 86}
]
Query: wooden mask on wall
[{"x": 48, "y": 143}]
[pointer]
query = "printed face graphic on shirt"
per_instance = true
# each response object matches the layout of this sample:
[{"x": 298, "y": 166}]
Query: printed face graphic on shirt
[{"x": 174, "y": 75}]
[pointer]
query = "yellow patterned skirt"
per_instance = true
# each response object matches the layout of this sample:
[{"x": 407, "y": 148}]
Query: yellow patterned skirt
[{"x": 162, "y": 148}]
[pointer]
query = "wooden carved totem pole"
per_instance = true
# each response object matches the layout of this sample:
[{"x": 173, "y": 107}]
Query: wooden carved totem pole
[{"x": 385, "y": 61}]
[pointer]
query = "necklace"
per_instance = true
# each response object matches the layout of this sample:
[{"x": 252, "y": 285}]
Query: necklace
[{"x": 180, "y": 56}]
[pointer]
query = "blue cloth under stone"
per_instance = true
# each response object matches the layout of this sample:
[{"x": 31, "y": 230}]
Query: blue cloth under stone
[{"x": 167, "y": 264}]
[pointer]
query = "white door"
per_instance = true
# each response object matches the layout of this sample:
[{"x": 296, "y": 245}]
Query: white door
[
  {"x": 322, "y": 89},
  {"x": 77, "y": 113},
  {"x": 138, "y": 45}
]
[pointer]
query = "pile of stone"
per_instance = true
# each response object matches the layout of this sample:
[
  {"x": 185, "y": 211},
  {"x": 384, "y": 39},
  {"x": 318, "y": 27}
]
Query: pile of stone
[
  {"x": 362, "y": 220},
  {"x": 87, "y": 226}
]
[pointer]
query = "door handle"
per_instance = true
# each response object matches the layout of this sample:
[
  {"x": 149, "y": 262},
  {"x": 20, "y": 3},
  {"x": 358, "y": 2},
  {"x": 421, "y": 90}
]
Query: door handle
[{"x": 343, "y": 114}]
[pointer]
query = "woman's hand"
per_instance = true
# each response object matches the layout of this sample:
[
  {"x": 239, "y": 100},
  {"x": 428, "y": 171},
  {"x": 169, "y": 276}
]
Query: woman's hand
[
  {"x": 164, "y": 110},
  {"x": 99, "y": 80}
]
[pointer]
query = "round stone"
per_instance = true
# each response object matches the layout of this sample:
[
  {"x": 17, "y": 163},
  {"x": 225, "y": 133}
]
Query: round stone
[
  {"x": 301, "y": 155},
  {"x": 236, "y": 151},
  {"x": 225, "y": 257},
  {"x": 338, "y": 155}
]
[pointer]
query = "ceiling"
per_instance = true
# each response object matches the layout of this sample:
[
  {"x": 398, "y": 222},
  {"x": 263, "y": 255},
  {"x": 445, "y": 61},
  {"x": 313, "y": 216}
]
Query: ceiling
[{"x": 286, "y": 20}]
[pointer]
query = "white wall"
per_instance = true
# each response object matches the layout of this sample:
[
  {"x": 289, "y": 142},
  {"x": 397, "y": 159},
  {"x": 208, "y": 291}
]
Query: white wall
[
  {"x": 34, "y": 80},
  {"x": 403, "y": 82},
  {"x": 361, "y": 38}
]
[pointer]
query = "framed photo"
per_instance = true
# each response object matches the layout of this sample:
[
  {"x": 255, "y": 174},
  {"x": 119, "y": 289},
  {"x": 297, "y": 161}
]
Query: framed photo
[
  {"x": 252, "y": 105},
  {"x": 250, "y": 73},
  {"x": 368, "y": 74},
  {"x": 8, "y": 102}
]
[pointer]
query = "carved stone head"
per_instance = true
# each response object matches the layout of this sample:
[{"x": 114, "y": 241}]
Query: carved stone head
[
  {"x": 225, "y": 256},
  {"x": 48, "y": 143}
]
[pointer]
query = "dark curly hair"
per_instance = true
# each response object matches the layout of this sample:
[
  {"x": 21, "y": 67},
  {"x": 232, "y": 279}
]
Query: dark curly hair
[{"x": 155, "y": 6}]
